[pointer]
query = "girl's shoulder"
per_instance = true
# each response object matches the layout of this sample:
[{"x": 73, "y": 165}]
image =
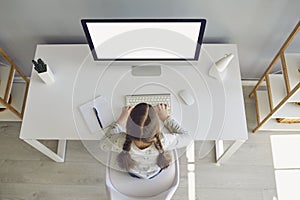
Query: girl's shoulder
[{"x": 163, "y": 139}]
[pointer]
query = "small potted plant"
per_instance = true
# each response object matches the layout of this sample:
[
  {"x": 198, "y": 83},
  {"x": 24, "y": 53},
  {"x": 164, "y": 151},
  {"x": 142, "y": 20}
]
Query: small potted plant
[{"x": 43, "y": 71}]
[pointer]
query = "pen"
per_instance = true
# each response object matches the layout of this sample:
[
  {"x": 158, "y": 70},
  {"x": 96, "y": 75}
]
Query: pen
[{"x": 96, "y": 113}]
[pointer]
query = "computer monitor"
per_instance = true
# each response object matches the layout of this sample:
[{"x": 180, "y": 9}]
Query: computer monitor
[
  {"x": 144, "y": 39},
  {"x": 111, "y": 39}
]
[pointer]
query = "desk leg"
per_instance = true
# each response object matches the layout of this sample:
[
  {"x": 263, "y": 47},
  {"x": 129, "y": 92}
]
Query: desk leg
[
  {"x": 61, "y": 149},
  {"x": 222, "y": 155}
]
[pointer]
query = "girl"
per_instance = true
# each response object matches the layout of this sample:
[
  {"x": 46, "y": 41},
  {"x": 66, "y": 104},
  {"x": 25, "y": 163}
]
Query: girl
[{"x": 144, "y": 148}]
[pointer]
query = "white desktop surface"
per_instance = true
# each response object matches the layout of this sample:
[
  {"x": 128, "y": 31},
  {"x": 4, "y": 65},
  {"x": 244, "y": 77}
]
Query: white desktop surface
[{"x": 52, "y": 112}]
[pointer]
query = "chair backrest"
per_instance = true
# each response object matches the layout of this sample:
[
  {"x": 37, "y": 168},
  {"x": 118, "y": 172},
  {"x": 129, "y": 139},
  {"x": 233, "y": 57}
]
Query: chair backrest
[{"x": 121, "y": 186}]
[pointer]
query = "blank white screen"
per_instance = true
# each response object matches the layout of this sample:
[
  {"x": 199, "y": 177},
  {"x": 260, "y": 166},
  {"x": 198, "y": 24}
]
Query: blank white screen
[{"x": 138, "y": 40}]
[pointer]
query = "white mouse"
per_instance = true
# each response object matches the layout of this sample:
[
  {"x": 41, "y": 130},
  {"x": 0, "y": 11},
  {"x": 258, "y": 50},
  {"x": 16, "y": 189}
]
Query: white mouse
[{"x": 186, "y": 96}]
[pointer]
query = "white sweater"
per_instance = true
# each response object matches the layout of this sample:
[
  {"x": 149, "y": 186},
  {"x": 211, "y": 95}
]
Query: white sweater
[{"x": 145, "y": 159}]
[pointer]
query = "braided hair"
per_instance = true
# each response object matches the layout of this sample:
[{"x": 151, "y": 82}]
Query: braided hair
[
  {"x": 164, "y": 158},
  {"x": 143, "y": 125}
]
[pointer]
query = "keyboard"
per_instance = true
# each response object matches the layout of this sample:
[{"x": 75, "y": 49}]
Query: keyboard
[{"x": 152, "y": 99}]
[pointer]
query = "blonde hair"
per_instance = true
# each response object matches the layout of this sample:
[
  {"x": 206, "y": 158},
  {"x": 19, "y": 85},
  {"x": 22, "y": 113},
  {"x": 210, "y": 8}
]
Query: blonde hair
[{"x": 143, "y": 125}]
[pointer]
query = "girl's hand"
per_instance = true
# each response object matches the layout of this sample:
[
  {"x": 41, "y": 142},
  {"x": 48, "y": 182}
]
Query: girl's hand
[
  {"x": 162, "y": 111},
  {"x": 124, "y": 114}
]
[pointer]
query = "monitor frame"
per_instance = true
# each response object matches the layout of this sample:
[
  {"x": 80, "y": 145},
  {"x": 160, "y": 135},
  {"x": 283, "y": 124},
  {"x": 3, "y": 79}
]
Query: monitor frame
[{"x": 84, "y": 23}]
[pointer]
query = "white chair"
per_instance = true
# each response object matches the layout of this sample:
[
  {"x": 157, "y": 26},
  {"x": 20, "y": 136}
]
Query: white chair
[{"x": 121, "y": 186}]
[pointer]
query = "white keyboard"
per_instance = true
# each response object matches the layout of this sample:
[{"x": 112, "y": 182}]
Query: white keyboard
[{"x": 152, "y": 99}]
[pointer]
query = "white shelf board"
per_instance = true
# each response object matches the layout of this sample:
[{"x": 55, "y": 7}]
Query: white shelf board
[
  {"x": 7, "y": 115},
  {"x": 288, "y": 110},
  {"x": 271, "y": 124},
  {"x": 263, "y": 103},
  {"x": 293, "y": 63},
  {"x": 278, "y": 89},
  {"x": 17, "y": 94},
  {"x": 4, "y": 75}
]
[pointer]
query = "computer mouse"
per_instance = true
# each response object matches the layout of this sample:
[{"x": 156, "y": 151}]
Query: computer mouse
[{"x": 186, "y": 97}]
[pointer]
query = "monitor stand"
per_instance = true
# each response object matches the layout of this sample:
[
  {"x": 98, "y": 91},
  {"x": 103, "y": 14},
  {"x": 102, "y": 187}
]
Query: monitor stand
[{"x": 146, "y": 70}]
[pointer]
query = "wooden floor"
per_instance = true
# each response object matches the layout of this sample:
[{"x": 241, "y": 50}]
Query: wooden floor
[{"x": 26, "y": 174}]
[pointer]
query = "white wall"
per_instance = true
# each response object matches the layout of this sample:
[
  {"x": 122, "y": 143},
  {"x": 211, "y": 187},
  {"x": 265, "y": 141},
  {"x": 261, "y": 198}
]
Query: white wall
[{"x": 259, "y": 27}]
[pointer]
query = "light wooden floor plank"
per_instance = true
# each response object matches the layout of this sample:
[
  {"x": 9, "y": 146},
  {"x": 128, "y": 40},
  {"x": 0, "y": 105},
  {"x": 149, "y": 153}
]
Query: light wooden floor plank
[{"x": 51, "y": 192}]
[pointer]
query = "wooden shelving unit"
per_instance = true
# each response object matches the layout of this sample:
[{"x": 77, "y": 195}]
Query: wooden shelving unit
[
  {"x": 12, "y": 94},
  {"x": 277, "y": 99}
]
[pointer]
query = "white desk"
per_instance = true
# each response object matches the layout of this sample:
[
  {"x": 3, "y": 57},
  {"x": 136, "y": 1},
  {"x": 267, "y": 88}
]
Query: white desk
[{"x": 52, "y": 112}]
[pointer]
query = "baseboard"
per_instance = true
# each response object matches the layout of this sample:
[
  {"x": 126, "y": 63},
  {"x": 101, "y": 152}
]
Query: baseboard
[
  {"x": 19, "y": 79},
  {"x": 252, "y": 83},
  {"x": 249, "y": 82}
]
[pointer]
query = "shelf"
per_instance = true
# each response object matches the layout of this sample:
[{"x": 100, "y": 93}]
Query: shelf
[
  {"x": 263, "y": 103},
  {"x": 283, "y": 91},
  {"x": 12, "y": 93},
  {"x": 17, "y": 95},
  {"x": 278, "y": 89},
  {"x": 293, "y": 63},
  {"x": 7, "y": 115},
  {"x": 4, "y": 76},
  {"x": 272, "y": 124},
  {"x": 288, "y": 110}
]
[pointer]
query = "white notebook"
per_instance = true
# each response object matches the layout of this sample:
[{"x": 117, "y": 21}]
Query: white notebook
[{"x": 104, "y": 112}]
